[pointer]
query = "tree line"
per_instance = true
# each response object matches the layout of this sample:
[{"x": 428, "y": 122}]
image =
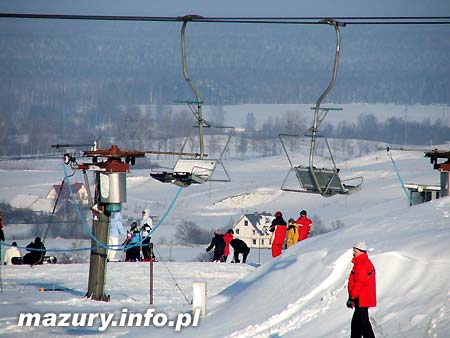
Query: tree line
[{"x": 161, "y": 128}]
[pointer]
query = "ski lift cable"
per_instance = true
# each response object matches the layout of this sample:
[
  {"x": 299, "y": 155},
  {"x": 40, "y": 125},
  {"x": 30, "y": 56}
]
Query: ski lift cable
[
  {"x": 100, "y": 244},
  {"x": 77, "y": 209},
  {"x": 120, "y": 247},
  {"x": 172, "y": 276},
  {"x": 399, "y": 176},
  {"x": 116, "y": 247},
  {"x": 177, "y": 194},
  {"x": 388, "y": 20},
  {"x": 54, "y": 209}
]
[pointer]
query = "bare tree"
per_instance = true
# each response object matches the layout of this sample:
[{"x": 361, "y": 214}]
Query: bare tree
[{"x": 190, "y": 233}]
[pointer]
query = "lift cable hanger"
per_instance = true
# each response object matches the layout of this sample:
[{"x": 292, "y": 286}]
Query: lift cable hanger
[
  {"x": 433, "y": 154},
  {"x": 194, "y": 169},
  {"x": 345, "y": 20},
  {"x": 323, "y": 181}
]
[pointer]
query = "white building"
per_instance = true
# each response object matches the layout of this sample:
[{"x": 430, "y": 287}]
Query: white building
[
  {"x": 253, "y": 229},
  {"x": 78, "y": 189}
]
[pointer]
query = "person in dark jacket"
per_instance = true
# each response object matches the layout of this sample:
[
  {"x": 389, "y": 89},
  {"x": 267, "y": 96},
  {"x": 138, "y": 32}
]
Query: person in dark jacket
[
  {"x": 278, "y": 230},
  {"x": 2, "y": 228},
  {"x": 36, "y": 252},
  {"x": 361, "y": 292},
  {"x": 218, "y": 244},
  {"x": 239, "y": 247},
  {"x": 132, "y": 249}
]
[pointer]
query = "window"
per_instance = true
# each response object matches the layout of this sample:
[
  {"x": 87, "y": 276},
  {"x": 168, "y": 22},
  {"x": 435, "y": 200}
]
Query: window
[
  {"x": 254, "y": 242},
  {"x": 262, "y": 242},
  {"x": 246, "y": 223},
  {"x": 237, "y": 231},
  {"x": 254, "y": 232}
]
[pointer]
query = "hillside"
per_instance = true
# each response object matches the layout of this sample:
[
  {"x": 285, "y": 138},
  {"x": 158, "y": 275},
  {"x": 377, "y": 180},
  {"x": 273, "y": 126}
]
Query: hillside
[{"x": 301, "y": 293}]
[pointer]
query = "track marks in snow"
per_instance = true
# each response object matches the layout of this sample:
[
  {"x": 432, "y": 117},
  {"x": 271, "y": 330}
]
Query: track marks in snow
[
  {"x": 305, "y": 308},
  {"x": 247, "y": 200}
]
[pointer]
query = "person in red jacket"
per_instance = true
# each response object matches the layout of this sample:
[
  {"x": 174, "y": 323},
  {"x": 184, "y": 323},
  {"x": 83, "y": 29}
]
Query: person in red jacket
[
  {"x": 228, "y": 237},
  {"x": 361, "y": 292},
  {"x": 304, "y": 226},
  {"x": 278, "y": 230}
]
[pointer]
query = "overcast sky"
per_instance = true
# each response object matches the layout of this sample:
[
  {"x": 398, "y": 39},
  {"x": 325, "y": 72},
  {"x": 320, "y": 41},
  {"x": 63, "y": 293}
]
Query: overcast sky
[{"x": 234, "y": 7}]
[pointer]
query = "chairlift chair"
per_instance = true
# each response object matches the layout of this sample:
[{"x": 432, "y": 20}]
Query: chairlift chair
[
  {"x": 323, "y": 181},
  {"x": 197, "y": 169}
]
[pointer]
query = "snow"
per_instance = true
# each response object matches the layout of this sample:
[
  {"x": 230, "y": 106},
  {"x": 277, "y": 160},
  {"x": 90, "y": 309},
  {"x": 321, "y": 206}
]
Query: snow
[{"x": 301, "y": 293}]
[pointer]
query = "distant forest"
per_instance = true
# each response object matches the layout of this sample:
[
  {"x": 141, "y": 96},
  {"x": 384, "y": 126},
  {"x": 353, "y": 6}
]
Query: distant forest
[
  {"x": 160, "y": 128},
  {"x": 81, "y": 81}
]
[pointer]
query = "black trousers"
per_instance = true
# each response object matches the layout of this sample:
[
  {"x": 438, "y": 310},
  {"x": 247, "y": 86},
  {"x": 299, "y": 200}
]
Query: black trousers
[
  {"x": 361, "y": 326},
  {"x": 133, "y": 254},
  {"x": 244, "y": 253},
  {"x": 217, "y": 256},
  {"x": 146, "y": 248}
]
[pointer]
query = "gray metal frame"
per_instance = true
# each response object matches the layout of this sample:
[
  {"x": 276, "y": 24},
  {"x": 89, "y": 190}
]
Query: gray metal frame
[
  {"x": 186, "y": 178},
  {"x": 325, "y": 182},
  {"x": 321, "y": 180}
]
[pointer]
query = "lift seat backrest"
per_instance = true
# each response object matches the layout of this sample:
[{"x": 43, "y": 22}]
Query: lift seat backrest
[
  {"x": 197, "y": 167},
  {"x": 328, "y": 180}
]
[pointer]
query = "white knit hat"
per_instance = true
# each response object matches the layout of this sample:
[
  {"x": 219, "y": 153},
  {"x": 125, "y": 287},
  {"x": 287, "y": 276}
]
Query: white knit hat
[{"x": 361, "y": 245}]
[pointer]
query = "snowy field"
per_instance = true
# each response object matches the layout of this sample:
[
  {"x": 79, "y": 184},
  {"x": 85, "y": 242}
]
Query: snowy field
[{"x": 302, "y": 293}]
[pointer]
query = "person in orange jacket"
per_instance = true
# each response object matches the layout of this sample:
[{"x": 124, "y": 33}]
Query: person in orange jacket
[
  {"x": 362, "y": 292},
  {"x": 304, "y": 226},
  {"x": 292, "y": 233},
  {"x": 227, "y": 237},
  {"x": 278, "y": 230}
]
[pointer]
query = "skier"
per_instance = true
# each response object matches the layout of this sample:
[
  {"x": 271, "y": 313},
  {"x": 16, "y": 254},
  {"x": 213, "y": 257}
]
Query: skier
[
  {"x": 115, "y": 231},
  {"x": 146, "y": 226},
  {"x": 304, "y": 226},
  {"x": 278, "y": 230},
  {"x": 2, "y": 228},
  {"x": 218, "y": 244},
  {"x": 12, "y": 252},
  {"x": 228, "y": 237},
  {"x": 36, "y": 252},
  {"x": 292, "y": 233},
  {"x": 239, "y": 247},
  {"x": 133, "y": 252},
  {"x": 361, "y": 291}
]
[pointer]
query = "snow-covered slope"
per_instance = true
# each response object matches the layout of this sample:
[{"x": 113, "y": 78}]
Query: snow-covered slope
[{"x": 302, "y": 293}]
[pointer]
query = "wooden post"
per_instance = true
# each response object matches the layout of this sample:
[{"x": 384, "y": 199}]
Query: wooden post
[{"x": 97, "y": 267}]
